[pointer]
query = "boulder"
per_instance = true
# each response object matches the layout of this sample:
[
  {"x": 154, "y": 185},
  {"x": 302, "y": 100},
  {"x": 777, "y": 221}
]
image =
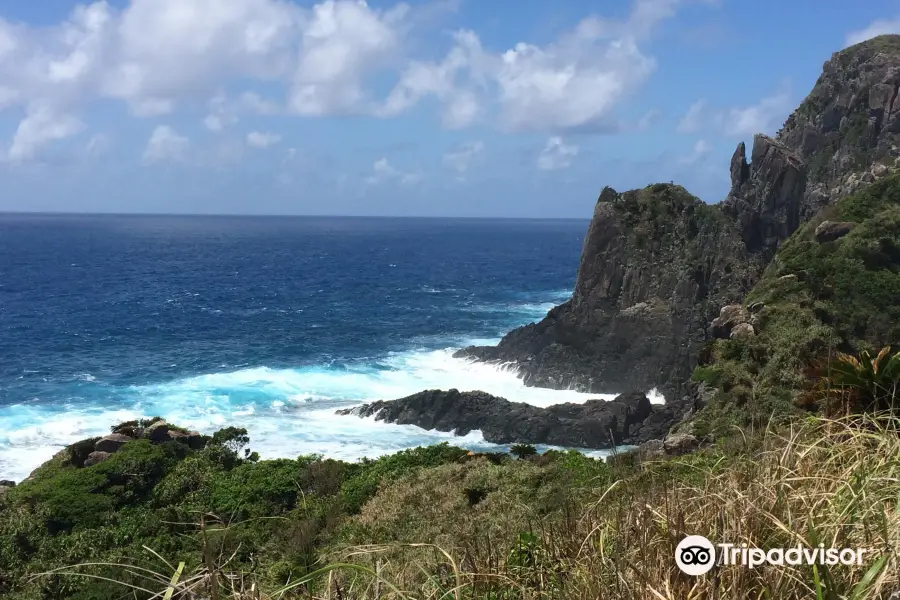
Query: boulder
[
  {"x": 729, "y": 317},
  {"x": 6, "y": 483},
  {"x": 193, "y": 439},
  {"x": 680, "y": 443},
  {"x": 742, "y": 331},
  {"x": 829, "y": 231},
  {"x": 157, "y": 432},
  {"x": 95, "y": 458},
  {"x": 111, "y": 443}
]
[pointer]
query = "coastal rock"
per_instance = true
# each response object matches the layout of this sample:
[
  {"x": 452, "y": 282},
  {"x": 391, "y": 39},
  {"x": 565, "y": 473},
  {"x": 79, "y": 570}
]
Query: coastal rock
[
  {"x": 96, "y": 457},
  {"x": 656, "y": 266},
  {"x": 594, "y": 424},
  {"x": 829, "y": 231},
  {"x": 6, "y": 483},
  {"x": 111, "y": 443},
  {"x": 157, "y": 432}
]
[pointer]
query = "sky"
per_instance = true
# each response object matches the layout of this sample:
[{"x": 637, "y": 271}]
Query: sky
[{"x": 476, "y": 108}]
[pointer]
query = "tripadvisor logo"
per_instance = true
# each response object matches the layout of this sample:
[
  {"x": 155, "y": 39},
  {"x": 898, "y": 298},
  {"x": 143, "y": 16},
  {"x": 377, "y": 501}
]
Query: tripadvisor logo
[{"x": 696, "y": 555}]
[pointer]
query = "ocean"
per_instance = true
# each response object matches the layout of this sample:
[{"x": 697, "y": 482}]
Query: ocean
[{"x": 268, "y": 323}]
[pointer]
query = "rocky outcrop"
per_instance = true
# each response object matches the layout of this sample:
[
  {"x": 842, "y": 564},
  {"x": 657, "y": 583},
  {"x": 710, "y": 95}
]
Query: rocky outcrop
[
  {"x": 656, "y": 267},
  {"x": 111, "y": 443},
  {"x": 846, "y": 130},
  {"x": 629, "y": 419},
  {"x": 766, "y": 194},
  {"x": 829, "y": 231}
]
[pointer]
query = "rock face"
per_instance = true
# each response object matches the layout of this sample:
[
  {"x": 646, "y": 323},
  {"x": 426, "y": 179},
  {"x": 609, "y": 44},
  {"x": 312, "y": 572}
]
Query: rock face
[
  {"x": 656, "y": 267},
  {"x": 846, "y": 130},
  {"x": 629, "y": 419},
  {"x": 766, "y": 194}
]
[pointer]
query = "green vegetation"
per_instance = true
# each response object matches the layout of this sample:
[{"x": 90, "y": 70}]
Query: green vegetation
[
  {"x": 439, "y": 522},
  {"x": 818, "y": 299}
]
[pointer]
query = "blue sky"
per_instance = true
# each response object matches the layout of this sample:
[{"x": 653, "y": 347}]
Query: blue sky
[{"x": 518, "y": 108}]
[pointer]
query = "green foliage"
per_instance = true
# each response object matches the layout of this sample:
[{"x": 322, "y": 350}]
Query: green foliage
[
  {"x": 368, "y": 475},
  {"x": 522, "y": 451},
  {"x": 846, "y": 299}
]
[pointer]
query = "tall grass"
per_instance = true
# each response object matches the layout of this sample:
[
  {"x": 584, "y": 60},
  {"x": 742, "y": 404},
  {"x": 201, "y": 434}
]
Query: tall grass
[{"x": 819, "y": 481}]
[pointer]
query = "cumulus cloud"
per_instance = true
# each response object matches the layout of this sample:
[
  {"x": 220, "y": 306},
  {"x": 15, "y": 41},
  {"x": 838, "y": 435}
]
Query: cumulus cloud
[
  {"x": 165, "y": 144},
  {"x": 259, "y": 139},
  {"x": 556, "y": 155},
  {"x": 383, "y": 172},
  {"x": 762, "y": 117},
  {"x": 462, "y": 159},
  {"x": 874, "y": 29},
  {"x": 156, "y": 56},
  {"x": 572, "y": 83},
  {"x": 342, "y": 42},
  {"x": 42, "y": 125}
]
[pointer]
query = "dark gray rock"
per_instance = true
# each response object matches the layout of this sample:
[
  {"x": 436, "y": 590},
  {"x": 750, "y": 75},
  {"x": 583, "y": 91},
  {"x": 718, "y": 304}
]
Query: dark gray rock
[
  {"x": 656, "y": 266},
  {"x": 766, "y": 197},
  {"x": 595, "y": 424},
  {"x": 829, "y": 231},
  {"x": 111, "y": 443},
  {"x": 96, "y": 457},
  {"x": 6, "y": 483}
]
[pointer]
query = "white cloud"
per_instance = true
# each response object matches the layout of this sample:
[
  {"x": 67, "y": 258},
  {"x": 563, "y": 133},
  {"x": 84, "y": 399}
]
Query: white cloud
[
  {"x": 42, "y": 125},
  {"x": 556, "y": 155},
  {"x": 701, "y": 149},
  {"x": 875, "y": 28},
  {"x": 692, "y": 121},
  {"x": 342, "y": 42},
  {"x": 575, "y": 82},
  {"x": 259, "y": 139},
  {"x": 156, "y": 56},
  {"x": 165, "y": 144},
  {"x": 383, "y": 172},
  {"x": 462, "y": 159},
  {"x": 764, "y": 116}
]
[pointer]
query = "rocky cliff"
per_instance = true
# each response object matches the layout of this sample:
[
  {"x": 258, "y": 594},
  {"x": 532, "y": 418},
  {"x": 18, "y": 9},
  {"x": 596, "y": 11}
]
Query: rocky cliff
[
  {"x": 842, "y": 137},
  {"x": 658, "y": 264}
]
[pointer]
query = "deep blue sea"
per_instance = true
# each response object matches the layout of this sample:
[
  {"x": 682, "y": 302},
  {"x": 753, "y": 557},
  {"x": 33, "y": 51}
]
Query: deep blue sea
[{"x": 270, "y": 323}]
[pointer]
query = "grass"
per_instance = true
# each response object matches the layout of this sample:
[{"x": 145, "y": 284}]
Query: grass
[{"x": 607, "y": 534}]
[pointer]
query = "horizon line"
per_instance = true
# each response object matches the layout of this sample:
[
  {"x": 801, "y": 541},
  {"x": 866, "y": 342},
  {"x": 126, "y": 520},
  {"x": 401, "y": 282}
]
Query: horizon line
[{"x": 275, "y": 215}]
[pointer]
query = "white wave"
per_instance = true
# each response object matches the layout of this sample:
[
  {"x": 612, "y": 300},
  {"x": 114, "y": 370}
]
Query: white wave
[{"x": 286, "y": 411}]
